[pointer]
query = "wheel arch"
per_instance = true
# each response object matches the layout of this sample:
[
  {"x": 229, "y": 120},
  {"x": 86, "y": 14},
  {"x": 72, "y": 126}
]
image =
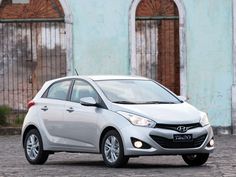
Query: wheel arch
[
  {"x": 27, "y": 129},
  {"x": 107, "y": 129}
]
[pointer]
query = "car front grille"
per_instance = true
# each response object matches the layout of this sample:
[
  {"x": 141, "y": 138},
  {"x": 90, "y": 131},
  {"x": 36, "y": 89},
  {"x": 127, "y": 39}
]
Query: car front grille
[
  {"x": 175, "y": 126},
  {"x": 169, "y": 143}
]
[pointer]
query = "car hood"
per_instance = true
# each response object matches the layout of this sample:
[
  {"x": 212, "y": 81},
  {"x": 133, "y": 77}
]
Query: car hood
[{"x": 182, "y": 113}]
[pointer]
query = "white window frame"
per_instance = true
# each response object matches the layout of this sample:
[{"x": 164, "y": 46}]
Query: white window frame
[{"x": 20, "y": 1}]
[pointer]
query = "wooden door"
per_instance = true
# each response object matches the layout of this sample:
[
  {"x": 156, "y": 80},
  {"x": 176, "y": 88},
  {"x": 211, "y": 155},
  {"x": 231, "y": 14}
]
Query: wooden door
[
  {"x": 32, "y": 49},
  {"x": 30, "y": 54},
  {"x": 157, "y": 42}
]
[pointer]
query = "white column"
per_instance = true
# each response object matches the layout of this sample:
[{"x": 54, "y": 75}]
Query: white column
[
  {"x": 234, "y": 70},
  {"x": 69, "y": 34}
]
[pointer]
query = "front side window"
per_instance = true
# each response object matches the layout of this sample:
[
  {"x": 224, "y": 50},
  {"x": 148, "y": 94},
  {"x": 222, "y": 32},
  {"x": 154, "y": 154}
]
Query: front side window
[
  {"x": 136, "y": 92},
  {"x": 59, "y": 90},
  {"x": 82, "y": 89}
]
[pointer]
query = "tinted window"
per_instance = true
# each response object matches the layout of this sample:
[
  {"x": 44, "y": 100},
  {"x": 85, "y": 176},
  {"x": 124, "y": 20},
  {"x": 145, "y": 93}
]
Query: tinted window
[
  {"x": 82, "y": 89},
  {"x": 59, "y": 90}
]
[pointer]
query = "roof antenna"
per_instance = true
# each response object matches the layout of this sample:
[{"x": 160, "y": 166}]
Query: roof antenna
[{"x": 76, "y": 72}]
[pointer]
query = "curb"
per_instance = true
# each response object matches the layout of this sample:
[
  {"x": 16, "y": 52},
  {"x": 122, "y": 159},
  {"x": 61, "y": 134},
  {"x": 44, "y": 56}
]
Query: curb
[
  {"x": 17, "y": 131},
  {"x": 10, "y": 130}
]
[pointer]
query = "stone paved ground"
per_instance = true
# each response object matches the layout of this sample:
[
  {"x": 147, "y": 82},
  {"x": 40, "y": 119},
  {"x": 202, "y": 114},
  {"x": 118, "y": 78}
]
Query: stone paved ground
[{"x": 13, "y": 163}]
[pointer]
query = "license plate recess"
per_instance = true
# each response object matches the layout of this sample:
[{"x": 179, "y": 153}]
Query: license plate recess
[{"x": 183, "y": 138}]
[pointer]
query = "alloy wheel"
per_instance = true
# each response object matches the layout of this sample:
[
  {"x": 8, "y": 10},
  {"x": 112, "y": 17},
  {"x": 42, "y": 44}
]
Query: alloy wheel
[
  {"x": 112, "y": 149},
  {"x": 32, "y": 147}
]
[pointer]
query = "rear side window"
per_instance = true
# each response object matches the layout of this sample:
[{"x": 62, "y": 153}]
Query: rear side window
[{"x": 59, "y": 90}]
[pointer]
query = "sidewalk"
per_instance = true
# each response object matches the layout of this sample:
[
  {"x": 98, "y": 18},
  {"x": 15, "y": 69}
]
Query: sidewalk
[{"x": 10, "y": 130}]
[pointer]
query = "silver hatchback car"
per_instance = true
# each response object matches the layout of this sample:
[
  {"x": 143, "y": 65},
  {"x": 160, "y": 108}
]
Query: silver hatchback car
[{"x": 117, "y": 116}]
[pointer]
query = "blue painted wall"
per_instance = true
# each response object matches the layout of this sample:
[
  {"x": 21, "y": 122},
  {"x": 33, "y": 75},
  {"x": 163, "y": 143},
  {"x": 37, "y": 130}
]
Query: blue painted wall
[
  {"x": 101, "y": 36},
  {"x": 209, "y": 55},
  {"x": 101, "y": 46}
]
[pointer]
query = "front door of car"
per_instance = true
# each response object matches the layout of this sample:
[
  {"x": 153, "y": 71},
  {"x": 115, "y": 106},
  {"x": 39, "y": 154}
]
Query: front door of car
[{"x": 80, "y": 122}]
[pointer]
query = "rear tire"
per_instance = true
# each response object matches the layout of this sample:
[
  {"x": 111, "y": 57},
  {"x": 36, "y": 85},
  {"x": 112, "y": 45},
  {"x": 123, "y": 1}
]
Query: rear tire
[
  {"x": 113, "y": 150},
  {"x": 33, "y": 147},
  {"x": 195, "y": 159}
]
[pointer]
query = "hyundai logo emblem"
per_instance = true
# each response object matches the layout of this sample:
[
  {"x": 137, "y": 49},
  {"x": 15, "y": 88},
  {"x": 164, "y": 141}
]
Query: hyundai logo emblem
[{"x": 181, "y": 129}]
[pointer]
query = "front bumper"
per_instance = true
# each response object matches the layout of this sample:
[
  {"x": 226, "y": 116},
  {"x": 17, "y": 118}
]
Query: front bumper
[{"x": 144, "y": 134}]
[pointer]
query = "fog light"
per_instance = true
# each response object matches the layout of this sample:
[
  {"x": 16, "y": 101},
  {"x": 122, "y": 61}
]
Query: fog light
[
  {"x": 138, "y": 144},
  {"x": 212, "y": 142}
]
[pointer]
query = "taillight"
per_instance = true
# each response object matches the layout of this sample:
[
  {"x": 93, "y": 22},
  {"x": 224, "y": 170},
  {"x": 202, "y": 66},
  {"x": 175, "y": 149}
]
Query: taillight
[{"x": 30, "y": 104}]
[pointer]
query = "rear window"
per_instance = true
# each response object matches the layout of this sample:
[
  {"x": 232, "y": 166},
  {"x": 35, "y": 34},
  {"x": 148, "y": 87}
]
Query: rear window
[{"x": 59, "y": 90}]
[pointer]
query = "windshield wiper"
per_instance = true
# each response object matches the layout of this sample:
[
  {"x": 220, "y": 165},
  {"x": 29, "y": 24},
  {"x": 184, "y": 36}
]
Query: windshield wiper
[
  {"x": 148, "y": 102},
  {"x": 124, "y": 102},
  {"x": 159, "y": 102}
]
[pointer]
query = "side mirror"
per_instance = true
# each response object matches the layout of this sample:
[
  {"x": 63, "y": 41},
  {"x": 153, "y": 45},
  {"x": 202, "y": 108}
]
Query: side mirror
[
  {"x": 88, "y": 101},
  {"x": 182, "y": 98}
]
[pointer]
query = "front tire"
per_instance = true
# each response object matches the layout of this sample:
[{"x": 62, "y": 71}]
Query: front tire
[
  {"x": 195, "y": 159},
  {"x": 33, "y": 147},
  {"x": 113, "y": 150}
]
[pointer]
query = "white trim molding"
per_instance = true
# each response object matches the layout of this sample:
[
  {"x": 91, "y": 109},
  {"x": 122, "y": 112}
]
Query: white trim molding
[
  {"x": 234, "y": 71},
  {"x": 183, "y": 49},
  {"x": 69, "y": 34}
]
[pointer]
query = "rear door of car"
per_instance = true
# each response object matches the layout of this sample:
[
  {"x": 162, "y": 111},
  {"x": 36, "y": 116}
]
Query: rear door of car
[{"x": 52, "y": 107}]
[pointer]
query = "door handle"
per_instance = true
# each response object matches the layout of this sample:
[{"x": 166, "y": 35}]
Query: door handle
[
  {"x": 45, "y": 108},
  {"x": 70, "y": 110}
]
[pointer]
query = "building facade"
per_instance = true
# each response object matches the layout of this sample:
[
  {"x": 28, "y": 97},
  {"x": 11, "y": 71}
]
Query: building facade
[
  {"x": 187, "y": 45},
  {"x": 206, "y": 40}
]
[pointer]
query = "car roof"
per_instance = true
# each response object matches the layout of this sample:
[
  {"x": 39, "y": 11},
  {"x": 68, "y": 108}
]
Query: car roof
[
  {"x": 94, "y": 78},
  {"x": 103, "y": 77},
  {"x": 115, "y": 77}
]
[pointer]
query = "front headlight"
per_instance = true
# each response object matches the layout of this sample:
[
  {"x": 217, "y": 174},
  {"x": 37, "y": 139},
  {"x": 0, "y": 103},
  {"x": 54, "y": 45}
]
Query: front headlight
[
  {"x": 204, "y": 120},
  {"x": 138, "y": 120}
]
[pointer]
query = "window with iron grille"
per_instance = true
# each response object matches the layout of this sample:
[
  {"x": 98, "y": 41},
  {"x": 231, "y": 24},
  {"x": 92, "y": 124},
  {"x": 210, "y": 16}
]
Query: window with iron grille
[
  {"x": 157, "y": 42},
  {"x": 32, "y": 49}
]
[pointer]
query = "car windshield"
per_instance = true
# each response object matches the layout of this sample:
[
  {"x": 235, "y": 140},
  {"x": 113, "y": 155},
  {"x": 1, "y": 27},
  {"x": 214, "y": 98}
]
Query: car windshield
[{"x": 136, "y": 92}]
